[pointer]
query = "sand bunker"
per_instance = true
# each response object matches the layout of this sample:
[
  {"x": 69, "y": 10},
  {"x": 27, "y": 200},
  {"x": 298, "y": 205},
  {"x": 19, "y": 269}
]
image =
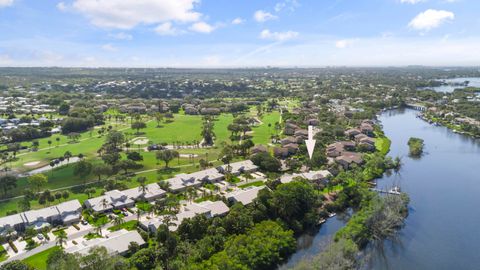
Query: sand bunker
[{"x": 31, "y": 164}]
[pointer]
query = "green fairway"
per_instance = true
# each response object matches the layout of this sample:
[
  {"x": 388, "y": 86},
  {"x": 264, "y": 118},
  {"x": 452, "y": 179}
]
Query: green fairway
[
  {"x": 184, "y": 128},
  {"x": 262, "y": 134}
]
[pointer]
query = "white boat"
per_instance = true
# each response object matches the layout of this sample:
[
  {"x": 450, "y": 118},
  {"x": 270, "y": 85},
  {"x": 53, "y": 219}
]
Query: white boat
[
  {"x": 395, "y": 190},
  {"x": 332, "y": 215}
]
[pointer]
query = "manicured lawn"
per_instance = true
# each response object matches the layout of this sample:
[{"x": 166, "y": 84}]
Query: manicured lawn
[
  {"x": 129, "y": 226},
  {"x": 39, "y": 260},
  {"x": 383, "y": 145},
  {"x": 262, "y": 134},
  {"x": 184, "y": 128},
  {"x": 252, "y": 184}
]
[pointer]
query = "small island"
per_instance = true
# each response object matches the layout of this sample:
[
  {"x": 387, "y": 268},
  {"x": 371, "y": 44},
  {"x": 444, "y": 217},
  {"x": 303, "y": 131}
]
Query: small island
[{"x": 416, "y": 146}]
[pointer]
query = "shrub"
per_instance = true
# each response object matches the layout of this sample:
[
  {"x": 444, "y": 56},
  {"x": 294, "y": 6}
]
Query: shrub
[{"x": 12, "y": 245}]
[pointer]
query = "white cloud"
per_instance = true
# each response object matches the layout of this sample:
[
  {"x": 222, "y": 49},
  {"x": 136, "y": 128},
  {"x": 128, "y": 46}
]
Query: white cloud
[
  {"x": 6, "y": 3},
  {"x": 166, "y": 29},
  {"x": 411, "y": 1},
  {"x": 290, "y": 5},
  {"x": 109, "y": 48},
  {"x": 121, "y": 36},
  {"x": 263, "y": 16},
  {"x": 202, "y": 27},
  {"x": 62, "y": 6},
  {"x": 238, "y": 21},
  {"x": 278, "y": 36},
  {"x": 126, "y": 14},
  {"x": 344, "y": 43},
  {"x": 430, "y": 19}
]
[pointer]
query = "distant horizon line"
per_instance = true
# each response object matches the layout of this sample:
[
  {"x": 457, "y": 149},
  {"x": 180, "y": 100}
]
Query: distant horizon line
[{"x": 247, "y": 67}]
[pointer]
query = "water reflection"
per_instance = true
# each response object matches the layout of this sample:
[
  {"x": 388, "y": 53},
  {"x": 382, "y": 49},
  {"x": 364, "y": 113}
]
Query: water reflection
[{"x": 441, "y": 231}]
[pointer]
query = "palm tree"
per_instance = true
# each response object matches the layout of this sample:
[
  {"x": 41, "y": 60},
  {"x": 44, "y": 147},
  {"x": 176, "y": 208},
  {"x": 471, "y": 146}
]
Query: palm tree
[
  {"x": 143, "y": 184},
  {"x": 117, "y": 221},
  {"x": 61, "y": 238},
  {"x": 139, "y": 213},
  {"x": 67, "y": 156},
  {"x": 98, "y": 228},
  {"x": 104, "y": 203}
]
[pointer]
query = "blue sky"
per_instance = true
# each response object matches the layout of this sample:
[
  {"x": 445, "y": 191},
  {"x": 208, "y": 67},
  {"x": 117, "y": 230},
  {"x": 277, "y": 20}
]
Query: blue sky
[{"x": 233, "y": 33}]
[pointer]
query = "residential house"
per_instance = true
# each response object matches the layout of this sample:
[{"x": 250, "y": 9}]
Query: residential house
[
  {"x": 152, "y": 193},
  {"x": 244, "y": 196},
  {"x": 336, "y": 149},
  {"x": 237, "y": 168},
  {"x": 347, "y": 159},
  {"x": 351, "y": 133},
  {"x": 319, "y": 177},
  {"x": 62, "y": 214},
  {"x": 116, "y": 243},
  {"x": 259, "y": 149},
  {"x": 208, "y": 208},
  {"x": 367, "y": 128}
]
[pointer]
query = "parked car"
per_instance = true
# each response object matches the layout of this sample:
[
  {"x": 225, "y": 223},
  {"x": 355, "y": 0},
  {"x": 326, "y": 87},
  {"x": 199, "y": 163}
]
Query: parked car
[
  {"x": 84, "y": 222},
  {"x": 154, "y": 147},
  {"x": 40, "y": 236}
]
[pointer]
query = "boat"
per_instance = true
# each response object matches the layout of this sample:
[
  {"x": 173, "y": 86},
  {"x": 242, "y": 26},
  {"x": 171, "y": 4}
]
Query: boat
[
  {"x": 321, "y": 221},
  {"x": 395, "y": 190},
  {"x": 332, "y": 215}
]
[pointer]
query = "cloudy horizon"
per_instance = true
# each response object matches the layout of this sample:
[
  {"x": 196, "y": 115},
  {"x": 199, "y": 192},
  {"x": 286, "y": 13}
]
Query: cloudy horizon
[{"x": 208, "y": 34}]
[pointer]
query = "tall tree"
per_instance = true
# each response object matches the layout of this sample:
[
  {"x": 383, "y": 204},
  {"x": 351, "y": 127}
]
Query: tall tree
[
  {"x": 7, "y": 183},
  {"x": 82, "y": 169},
  {"x": 38, "y": 181},
  {"x": 167, "y": 155}
]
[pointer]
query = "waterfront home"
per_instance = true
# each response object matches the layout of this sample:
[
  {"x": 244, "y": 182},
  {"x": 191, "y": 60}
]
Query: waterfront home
[
  {"x": 347, "y": 159},
  {"x": 116, "y": 243},
  {"x": 367, "y": 143},
  {"x": 338, "y": 148},
  {"x": 351, "y": 133},
  {"x": 318, "y": 177},
  {"x": 366, "y": 128},
  {"x": 244, "y": 196}
]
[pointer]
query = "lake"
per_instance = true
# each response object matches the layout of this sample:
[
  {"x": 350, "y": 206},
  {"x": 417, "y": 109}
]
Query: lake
[
  {"x": 442, "y": 229},
  {"x": 474, "y": 82}
]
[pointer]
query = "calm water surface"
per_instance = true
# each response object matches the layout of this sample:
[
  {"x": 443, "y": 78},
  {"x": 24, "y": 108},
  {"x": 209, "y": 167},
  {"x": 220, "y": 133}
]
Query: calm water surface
[
  {"x": 443, "y": 228},
  {"x": 474, "y": 82}
]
